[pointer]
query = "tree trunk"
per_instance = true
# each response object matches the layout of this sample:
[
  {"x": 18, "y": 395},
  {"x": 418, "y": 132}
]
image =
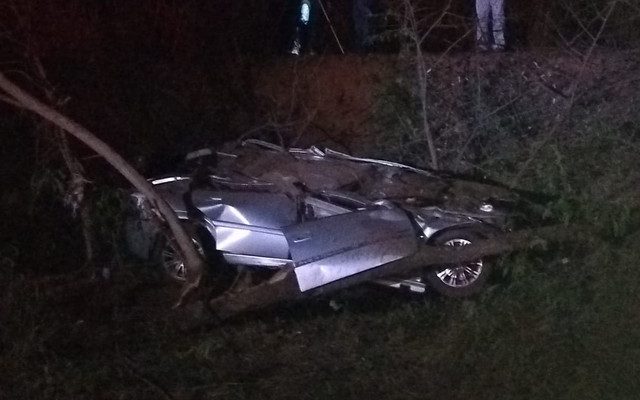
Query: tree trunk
[
  {"x": 194, "y": 262},
  {"x": 284, "y": 285}
]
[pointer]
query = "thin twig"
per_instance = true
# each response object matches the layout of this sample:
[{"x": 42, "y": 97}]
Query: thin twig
[
  {"x": 574, "y": 88},
  {"x": 333, "y": 31},
  {"x": 11, "y": 101}
]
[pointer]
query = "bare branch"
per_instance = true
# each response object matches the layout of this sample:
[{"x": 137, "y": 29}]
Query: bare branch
[
  {"x": 578, "y": 20},
  {"x": 193, "y": 260},
  {"x": 436, "y": 23},
  {"x": 411, "y": 28},
  {"x": 10, "y": 101},
  {"x": 574, "y": 88}
]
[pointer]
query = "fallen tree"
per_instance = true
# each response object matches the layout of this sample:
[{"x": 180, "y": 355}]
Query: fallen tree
[
  {"x": 16, "y": 96},
  {"x": 284, "y": 286}
]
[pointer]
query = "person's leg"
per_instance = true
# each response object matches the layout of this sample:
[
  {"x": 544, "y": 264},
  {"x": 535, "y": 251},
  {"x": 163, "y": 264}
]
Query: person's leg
[
  {"x": 301, "y": 22},
  {"x": 497, "y": 19},
  {"x": 361, "y": 15},
  {"x": 483, "y": 10}
]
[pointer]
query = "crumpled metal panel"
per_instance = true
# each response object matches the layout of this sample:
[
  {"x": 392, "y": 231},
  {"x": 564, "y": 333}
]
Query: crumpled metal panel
[
  {"x": 344, "y": 156},
  {"x": 295, "y": 170},
  {"x": 250, "y": 240},
  {"x": 259, "y": 209},
  {"x": 248, "y": 223},
  {"x": 333, "y": 248}
]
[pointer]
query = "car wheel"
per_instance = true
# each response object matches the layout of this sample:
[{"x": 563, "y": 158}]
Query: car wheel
[
  {"x": 171, "y": 264},
  {"x": 170, "y": 260},
  {"x": 459, "y": 280}
]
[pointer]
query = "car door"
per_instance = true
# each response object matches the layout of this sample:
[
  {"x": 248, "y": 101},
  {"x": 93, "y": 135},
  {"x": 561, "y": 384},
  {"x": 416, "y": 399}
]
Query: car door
[
  {"x": 247, "y": 223},
  {"x": 328, "y": 249}
]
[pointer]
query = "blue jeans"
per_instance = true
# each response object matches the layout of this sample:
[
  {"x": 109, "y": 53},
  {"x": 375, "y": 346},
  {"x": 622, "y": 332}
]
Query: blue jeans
[
  {"x": 490, "y": 10},
  {"x": 361, "y": 16}
]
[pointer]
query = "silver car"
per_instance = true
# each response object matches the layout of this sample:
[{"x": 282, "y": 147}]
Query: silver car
[{"x": 260, "y": 207}]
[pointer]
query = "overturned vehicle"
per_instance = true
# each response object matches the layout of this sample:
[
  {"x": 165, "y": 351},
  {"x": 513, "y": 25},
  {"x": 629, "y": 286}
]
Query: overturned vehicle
[{"x": 260, "y": 208}]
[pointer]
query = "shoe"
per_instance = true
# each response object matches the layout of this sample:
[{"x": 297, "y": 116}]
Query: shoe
[
  {"x": 296, "y": 48},
  {"x": 482, "y": 48},
  {"x": 498, "y": 48}
]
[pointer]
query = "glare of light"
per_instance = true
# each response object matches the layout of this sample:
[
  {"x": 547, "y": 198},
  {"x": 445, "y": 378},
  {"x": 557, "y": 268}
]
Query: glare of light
[
  {"x": 237, "y": 214},
  {"x": 305, "y": 11},
  {"x": 235, "y": 235},
  {"x": 486, "y": 207},
  {"x": 169, "y": 179}
]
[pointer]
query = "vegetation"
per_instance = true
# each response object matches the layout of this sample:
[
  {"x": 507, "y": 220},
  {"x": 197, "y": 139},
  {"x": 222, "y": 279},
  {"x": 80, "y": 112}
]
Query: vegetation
[
  {"x": 559, "y": 326},
  {"x": 559, "y": 323}
]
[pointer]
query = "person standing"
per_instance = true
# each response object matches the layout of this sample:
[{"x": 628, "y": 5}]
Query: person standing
[
  {"x": 490, "y": 12},
  {"x": 361, "y": 14},
  {"x": 303, "y": 37}
]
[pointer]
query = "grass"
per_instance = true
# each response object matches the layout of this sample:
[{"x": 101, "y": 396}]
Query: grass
[{"x": 560, "y": 324}]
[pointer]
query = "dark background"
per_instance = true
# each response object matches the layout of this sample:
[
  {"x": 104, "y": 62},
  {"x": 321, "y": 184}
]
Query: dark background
[{"x": 157, "y": 78}]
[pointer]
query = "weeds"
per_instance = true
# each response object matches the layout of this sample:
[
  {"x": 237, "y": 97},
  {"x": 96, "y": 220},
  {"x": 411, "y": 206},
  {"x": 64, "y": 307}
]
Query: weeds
[
  {"x": 559, "y": 323},
  {"x": 108, "y": 216},
  {"x": 541, "y": 335}
]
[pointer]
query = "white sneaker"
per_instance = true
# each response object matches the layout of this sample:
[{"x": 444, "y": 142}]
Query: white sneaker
[
  {"x": 296, "y": 48},
  {"x": 497, "y": 48}
]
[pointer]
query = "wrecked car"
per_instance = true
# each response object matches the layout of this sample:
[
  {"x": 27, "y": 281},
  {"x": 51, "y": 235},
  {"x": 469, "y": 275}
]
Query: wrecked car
[{"x": 260, "y": 207}]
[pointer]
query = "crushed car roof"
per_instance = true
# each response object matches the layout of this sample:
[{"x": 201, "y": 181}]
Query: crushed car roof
[{"x": 294, "y": 170}]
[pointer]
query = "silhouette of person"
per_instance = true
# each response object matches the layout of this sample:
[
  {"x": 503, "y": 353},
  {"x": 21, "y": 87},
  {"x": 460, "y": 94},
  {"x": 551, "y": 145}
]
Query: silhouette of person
[
  {"x": 361, "y": 24},
  {"x": 304, "y": 27},
  {"x": 490, "y": 12}
]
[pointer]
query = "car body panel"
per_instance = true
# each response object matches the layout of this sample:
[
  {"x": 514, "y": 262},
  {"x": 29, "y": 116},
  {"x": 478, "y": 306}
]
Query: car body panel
[
  {"x": 246, "y": 222},
  {"x": 248, "y": 240},
  {"x": 259, "y": 209},
  {"x": 172, "y": 190},
  {"x": 328, "y": 214},
  {"x": 323, "y": 252}
]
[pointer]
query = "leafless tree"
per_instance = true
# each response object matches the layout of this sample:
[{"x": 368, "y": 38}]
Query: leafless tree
[
  {"x": 16, "y": 96},
  {"x": 417, "y": 25},
  {"x": 33, "y": 69},
  {"x": 412, "y": 30},
  {"x": 605, "y": 13}
]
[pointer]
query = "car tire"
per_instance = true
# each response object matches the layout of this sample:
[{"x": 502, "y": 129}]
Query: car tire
[
  {"x": 167, "y": 258},
  {"x": 461, "y": 280}
]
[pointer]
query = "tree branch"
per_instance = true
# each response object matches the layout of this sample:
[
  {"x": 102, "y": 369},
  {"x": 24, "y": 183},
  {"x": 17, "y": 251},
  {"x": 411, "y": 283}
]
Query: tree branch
[
  {"x": 284, "y": 285},
  {"x": 194, "y": 262},
  {"x": 10, "y": 101}
]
